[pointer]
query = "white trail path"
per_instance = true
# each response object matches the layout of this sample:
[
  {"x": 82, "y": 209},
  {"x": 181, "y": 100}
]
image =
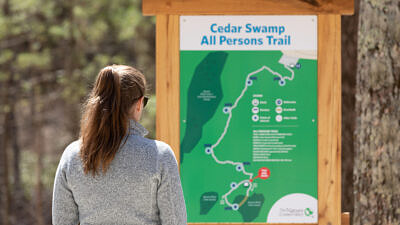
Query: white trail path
[{"x": 250, "y": 188}]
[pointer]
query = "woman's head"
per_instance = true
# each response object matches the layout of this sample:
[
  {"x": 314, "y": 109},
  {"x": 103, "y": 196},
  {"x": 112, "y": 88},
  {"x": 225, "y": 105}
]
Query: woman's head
[{"x": 116, "y": 97}]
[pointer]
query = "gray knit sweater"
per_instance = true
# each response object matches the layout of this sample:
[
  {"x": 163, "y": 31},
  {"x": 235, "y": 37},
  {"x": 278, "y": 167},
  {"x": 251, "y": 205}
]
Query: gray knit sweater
[{"x": 142, "y": 186}]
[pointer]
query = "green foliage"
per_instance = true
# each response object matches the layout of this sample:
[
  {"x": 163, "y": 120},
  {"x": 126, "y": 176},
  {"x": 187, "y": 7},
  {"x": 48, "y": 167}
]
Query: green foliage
[
  {"x": 37, "y": 60},
  {"x": 53, "y": 50},
  {"x": 148, "y": 117},
  {"x": 6, "y": 56},
  {"x": 29, "y": 168}
]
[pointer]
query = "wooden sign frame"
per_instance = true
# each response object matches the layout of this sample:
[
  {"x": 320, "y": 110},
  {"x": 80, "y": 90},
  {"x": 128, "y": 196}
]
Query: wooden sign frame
[
  {"x": 329, "y": 83},
  {"x": 247, "y": 7}
]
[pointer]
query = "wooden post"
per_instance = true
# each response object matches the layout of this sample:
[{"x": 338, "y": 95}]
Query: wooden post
[
  {"x": 167, "y": 80},
  {"x": 329, "y": 119}
]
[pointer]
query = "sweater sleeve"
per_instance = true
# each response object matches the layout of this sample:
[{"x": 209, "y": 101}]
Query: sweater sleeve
[
  {"x": 64, "y": 208},
  {"x": 170, "y": 199}
]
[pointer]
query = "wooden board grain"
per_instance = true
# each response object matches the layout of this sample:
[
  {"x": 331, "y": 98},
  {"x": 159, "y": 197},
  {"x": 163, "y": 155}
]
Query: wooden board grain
[
  {"x": 346, "y": 218},
  {"x": 329, "y": 120},
  {"x": 329, "y": 107},
  {"x": 250, "y": 7},
  {"x": 167, "y": 81}
]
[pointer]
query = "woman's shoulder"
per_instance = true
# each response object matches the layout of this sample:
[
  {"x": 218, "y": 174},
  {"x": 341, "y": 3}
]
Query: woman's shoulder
[
  {"x": 147, "y": 144},
  {"x": 166, "y": 153},
  {"x": 164, "y": 149},
  {"x": 158, "y": 148},
  {"x": 162, "y": 146},
  {"x": 71, "y": 152}
]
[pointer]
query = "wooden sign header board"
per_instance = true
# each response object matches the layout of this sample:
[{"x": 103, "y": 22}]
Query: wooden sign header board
[
  {"x": 329, "y": 79},
  {"x": 248, "y": 7}
]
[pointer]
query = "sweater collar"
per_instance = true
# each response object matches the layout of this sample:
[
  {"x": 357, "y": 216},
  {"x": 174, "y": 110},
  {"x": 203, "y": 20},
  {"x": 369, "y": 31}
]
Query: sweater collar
[{"x": 136, "y": 128}]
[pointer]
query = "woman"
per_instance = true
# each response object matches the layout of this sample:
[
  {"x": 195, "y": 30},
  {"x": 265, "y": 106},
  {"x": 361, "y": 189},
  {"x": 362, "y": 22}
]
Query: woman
[{"x": 113, "y": 174}]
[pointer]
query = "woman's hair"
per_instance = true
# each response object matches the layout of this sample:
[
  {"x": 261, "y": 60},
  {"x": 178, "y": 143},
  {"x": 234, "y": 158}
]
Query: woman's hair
[{"x": 105, "y": 120}]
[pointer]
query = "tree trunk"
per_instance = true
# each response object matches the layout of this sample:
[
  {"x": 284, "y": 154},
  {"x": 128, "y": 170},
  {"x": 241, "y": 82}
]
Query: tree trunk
[
  {"x": 349, "y": 71},
  {"x": 38, "y": 145},
  {"x": 4, "y": 176},
  {"x": 18, "y": 194},
  {"x": 5, "y": 190},
  {"x": 377, "y": 142}
]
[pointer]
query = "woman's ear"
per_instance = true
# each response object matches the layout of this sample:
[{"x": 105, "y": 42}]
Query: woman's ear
[{"x": 139, "y": 104}]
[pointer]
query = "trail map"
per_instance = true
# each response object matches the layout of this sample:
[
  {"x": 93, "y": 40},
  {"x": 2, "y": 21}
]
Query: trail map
[{"x": 248, "y": 131}]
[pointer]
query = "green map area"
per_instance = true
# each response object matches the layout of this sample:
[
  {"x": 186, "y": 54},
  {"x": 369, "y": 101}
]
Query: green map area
[{"x": 248, "y": 132}]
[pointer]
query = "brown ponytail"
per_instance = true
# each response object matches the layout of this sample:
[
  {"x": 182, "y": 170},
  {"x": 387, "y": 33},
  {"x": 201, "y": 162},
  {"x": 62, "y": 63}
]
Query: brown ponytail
[{"x": 106, "y": 115}]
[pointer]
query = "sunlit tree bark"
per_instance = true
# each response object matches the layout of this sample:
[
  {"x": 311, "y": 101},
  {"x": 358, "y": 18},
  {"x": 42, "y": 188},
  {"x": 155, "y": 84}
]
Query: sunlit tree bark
[{"x": 377, "y": 135}]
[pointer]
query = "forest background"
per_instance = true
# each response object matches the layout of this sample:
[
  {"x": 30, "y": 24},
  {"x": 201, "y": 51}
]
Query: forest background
[{"x": 52, "y": 50}]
